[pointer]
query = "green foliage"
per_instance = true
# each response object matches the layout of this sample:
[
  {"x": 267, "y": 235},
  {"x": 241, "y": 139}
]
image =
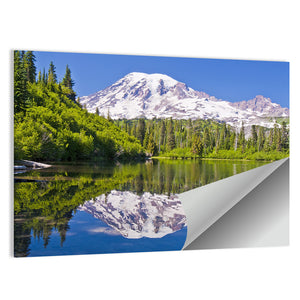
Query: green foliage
[
  {"x": 171, "y": 136},
  {"x": 151, "y": 146},
  {"x": 20, "y": 83},
  {"x": 41, "y": 206},
  {"x": 50, "y": 125},
  {"x": 68, "y": 82},
  {"x": 52, "y": 77},
  {"x": 197, "y": 147},
  {"x": 206, "y": 138},
  {"x": 29, "y": 65},
  {"x": 141, "y": 130}
]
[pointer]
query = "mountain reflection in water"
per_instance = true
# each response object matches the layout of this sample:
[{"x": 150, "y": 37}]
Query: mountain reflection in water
[
  {"x": 134, "y": 216},
  {"x": 63, "y": 210}
]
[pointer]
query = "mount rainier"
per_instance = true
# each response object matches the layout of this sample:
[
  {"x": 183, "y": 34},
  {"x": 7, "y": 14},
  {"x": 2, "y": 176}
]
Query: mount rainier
[
  {"x": 150, "y": 96},
  {"x": 134, "y": 216}
]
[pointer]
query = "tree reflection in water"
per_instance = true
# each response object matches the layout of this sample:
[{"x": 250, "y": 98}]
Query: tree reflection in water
[{"x": 48, "y": 204}]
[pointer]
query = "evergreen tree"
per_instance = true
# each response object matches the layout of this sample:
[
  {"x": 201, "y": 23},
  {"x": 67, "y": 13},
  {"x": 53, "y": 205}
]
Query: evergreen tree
[
  {"x": 170, "y": 136},
  {"x": 67, "y": 80},
  {"x": 232, "y": 140},
  {"x": 30, "y": 68},
  {"x": 189, "y": 128},
  {"x": 242, "y": 139},
  {"x": 146, "y": 140},
  {"x": 197, "y": 146},
  {"x": 285, "y": 136},
  {"x": 151, "y": 147},
  {"x": 52, "y": 78},
  {"x": 162, "y": 134},
  {"x": 20, "y": 82},
  {"x": 223, "y": 135},
  {"x": 69, "y": 83},
  {"x": 206, "y": 141},
  {"x": 254, "y": 135},
  {"x": 133, "y": 130},
  {"x": 260, "y": 139},
  {"x": 217, "y": 139},
  {"x": 277, "y": 138},
  {"x": 140, "y": 130},
  {"x": 44, "y": 77},
  {"x": 39, "y": 77},
  {"x": 269, "y": 141}
]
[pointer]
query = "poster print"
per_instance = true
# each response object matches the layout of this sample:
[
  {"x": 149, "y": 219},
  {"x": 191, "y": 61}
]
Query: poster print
[{"x": 104, "y": 145}]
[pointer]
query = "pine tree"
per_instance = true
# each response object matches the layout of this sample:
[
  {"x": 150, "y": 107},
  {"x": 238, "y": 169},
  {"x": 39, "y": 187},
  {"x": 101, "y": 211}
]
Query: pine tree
[
  {"x": 232, "y": 140},
  {"x": 170, "y": 136},
  {"x": 285, "y": 136},
  {"x": 69, "y": 83},
  {"x": 67, "y": 80},
  {"x": 162, "y": 134},
  {"x": 30, "y": 68},
  {"x": 140, "y": 130},
  {"x": 197, "y": 146},
  {"x": 189, "y": 128},
  {"x": 146, "y": 140},
  {"x": 254, "y": 136},
  {"x": 39, "y": 77},
  {"x": 277, "y": 138},
  {"x": 260, "y": 139},
  {"x": 52, "y": 78},
  {"x": 20, "y": 82},
  {"x": 223, "y": 135},
  {"x": 133, "y": 130},
  {"x": 217, "y": 139},
  {"x": 151, "y": 147},
  {"x": 227, "y": 138},
  {"x": 44, "y": 77},
  {"x": 242, "y": 139},
  {"x": 206, "y": 140},
  {"x": 269, "y": 141}
]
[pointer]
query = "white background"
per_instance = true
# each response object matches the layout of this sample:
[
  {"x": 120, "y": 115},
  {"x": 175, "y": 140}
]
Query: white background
[{"x": 264, "y": 30}]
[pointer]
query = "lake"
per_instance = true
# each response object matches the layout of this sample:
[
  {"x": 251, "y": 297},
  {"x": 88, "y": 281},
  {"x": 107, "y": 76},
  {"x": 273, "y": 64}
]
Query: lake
[{"x": 91, "y": 208}]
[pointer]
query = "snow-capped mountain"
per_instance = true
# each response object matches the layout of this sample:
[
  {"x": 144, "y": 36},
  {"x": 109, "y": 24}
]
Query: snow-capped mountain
[
  {"x": 157, "y": 95},
  {"x": 135, "y": 216}
]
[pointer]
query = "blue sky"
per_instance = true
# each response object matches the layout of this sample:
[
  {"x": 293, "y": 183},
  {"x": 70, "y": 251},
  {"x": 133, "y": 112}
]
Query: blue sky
[{"x": 231, "y": 80}]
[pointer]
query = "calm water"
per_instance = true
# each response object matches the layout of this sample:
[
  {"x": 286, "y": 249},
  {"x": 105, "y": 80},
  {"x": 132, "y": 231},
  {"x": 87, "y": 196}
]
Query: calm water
[{"x": 91, "y": 208}]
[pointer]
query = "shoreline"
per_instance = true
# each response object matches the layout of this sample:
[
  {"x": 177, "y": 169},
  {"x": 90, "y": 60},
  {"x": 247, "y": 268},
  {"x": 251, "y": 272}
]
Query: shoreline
[
  {"x": 208, "y": 158},
  {"x": 22, "y": 166}
]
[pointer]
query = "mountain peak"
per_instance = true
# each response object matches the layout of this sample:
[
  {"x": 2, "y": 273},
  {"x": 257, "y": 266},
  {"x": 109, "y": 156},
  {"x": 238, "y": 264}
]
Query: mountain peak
[
  {"x": 160, "y": 96},
  {"x": 261, "y": 98},
  {"x": 262, "y": 105},
  {"x": 154, "y": 78}
]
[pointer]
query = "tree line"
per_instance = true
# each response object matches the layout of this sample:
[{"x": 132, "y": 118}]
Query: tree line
[{"x": 207, "y": 138}]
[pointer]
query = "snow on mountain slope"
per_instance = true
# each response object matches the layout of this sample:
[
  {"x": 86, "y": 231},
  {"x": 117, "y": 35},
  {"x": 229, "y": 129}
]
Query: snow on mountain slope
[
  {"x": 134, "y": 216},
  {"x": 157, "y": 95}
]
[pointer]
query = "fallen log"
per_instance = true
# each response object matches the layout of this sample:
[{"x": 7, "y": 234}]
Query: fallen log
[{"x": 30, "y": 164}]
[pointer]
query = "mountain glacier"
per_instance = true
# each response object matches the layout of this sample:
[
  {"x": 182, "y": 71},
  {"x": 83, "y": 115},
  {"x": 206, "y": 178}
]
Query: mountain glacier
[{"x": 159, "y": 96}]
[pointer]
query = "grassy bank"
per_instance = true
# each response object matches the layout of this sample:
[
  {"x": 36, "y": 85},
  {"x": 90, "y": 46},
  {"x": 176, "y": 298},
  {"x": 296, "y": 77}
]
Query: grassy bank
[{"x": 226, "y": 154}]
